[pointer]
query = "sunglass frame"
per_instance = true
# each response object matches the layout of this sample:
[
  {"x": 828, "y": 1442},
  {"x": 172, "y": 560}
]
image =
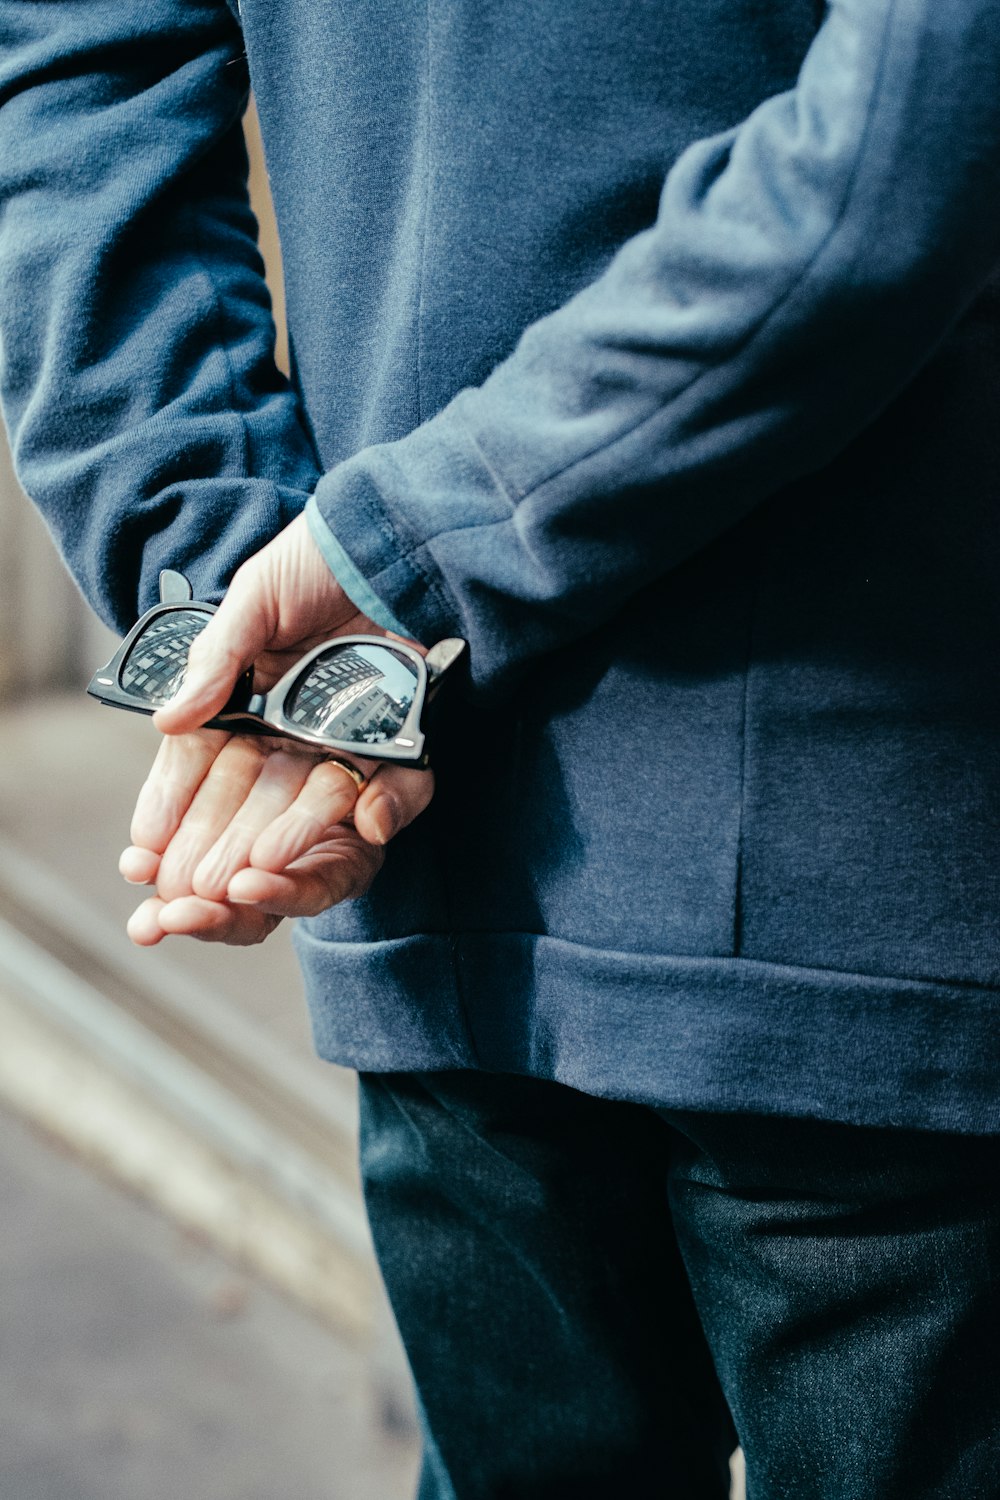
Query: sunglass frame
[{"x": 262, "y": 713}]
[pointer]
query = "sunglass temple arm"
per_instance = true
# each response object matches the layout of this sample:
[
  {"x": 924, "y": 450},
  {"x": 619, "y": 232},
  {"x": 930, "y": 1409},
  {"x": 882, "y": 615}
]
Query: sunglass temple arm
[
  {"x": 174, "y": 588},
  {"x": 441, "y": 656}
]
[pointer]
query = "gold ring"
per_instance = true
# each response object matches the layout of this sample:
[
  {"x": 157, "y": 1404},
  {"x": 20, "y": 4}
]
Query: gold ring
[{"x": 352, "y": 771}]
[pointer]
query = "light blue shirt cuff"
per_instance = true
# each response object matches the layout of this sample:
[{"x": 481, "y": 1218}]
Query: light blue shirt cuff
[{"x": 355, "y": 584}]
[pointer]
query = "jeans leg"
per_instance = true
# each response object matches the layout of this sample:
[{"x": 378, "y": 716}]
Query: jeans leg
[
  {"x": 524, "y": 1236},
  {"x": 849, "y": 1284}
]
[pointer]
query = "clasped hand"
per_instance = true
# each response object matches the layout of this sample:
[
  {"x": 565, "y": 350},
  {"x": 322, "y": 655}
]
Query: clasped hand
[{"x": 236, "y": 832}]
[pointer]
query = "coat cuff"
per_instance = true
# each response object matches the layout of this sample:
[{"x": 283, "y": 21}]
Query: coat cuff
[
  {"x": 388, "y": 506},
  {"x": 354, "y": 584}
]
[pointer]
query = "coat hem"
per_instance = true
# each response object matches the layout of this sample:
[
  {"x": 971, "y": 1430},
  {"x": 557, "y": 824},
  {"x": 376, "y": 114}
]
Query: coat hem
[{"x": 717, "y": 1034}]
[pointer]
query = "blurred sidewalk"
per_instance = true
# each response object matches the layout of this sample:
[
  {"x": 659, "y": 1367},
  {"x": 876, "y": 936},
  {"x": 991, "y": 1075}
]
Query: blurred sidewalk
[{"x": 137, "y": 1365}]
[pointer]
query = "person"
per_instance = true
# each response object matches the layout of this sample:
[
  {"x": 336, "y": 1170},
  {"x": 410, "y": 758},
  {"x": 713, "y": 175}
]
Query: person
[{"x": 655, "y": 354}]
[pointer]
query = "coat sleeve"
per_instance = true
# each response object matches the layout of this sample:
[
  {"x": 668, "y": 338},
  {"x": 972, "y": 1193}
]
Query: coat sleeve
[
  {"x": 801, "y": 269},
  {"x": 147, "y": 418}
]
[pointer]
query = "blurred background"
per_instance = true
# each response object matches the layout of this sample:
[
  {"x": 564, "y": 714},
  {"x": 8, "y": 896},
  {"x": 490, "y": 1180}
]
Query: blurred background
[{"x": 188, "y": 1299}]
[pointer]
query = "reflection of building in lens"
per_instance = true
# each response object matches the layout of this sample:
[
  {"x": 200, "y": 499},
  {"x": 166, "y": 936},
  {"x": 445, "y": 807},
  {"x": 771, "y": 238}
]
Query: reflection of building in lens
[
  {"x": 154, "y": 668},
  {"x": 341, "y": 698},
  {"x": 370, "y": 719}
]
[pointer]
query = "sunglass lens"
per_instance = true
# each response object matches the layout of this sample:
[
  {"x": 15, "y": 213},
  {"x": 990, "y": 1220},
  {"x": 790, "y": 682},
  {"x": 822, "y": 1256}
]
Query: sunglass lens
[
  {"x": 154, "y": 668},
  {"x": 361, "y": 694}
]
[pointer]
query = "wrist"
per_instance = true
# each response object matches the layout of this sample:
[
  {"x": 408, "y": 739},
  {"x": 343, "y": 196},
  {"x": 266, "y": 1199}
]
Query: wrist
[{"x": 347, "y": 576}]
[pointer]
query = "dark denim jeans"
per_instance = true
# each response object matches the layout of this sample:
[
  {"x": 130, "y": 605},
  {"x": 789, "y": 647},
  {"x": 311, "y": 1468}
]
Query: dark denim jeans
[{"x": 587, "y": 1289}]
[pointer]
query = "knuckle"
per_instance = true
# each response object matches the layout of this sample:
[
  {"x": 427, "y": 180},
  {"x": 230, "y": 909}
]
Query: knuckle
[
  {"x": 333, "y": 782},
  {"x": 240, "y": 755}
]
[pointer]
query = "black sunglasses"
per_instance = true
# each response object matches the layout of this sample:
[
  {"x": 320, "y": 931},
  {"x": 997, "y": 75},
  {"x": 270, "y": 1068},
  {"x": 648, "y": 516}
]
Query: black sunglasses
[{"x": 356, "y": 693}]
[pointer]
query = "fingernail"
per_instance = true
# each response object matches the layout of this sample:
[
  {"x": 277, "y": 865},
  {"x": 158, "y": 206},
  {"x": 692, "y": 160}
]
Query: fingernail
[{"x": 384, "y": 816}]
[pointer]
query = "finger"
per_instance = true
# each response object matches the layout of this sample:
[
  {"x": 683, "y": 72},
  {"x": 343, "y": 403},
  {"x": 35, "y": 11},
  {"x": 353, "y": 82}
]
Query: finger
[
  {"x": 282, "y": 777},
  {"x": 143, "y": 926},
  {"x": 180, "y": 766},
  {"x": 138, "y": 866},
  {"x": 321, "y": 879},
  {"x": 216, "y": 921},
  {"x": 390, "y": 801},
  {"x": 326, "y": 799},
  {"x": 232, "y": 640},
  {"x": 217, "y": 801}
]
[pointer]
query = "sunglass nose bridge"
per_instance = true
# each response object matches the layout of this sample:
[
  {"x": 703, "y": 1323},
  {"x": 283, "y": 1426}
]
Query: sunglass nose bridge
[{"x": 243, "y": 699}]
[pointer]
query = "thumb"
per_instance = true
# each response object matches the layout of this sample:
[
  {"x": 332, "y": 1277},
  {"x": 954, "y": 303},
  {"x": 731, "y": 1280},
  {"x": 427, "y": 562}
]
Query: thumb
[
  {"x": 392, "y": 799},
  {"x": 233, "y": 639}
]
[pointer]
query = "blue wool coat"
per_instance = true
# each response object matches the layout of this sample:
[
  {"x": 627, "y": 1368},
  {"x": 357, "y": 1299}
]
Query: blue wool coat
[{"x": 652, "y": 349}]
